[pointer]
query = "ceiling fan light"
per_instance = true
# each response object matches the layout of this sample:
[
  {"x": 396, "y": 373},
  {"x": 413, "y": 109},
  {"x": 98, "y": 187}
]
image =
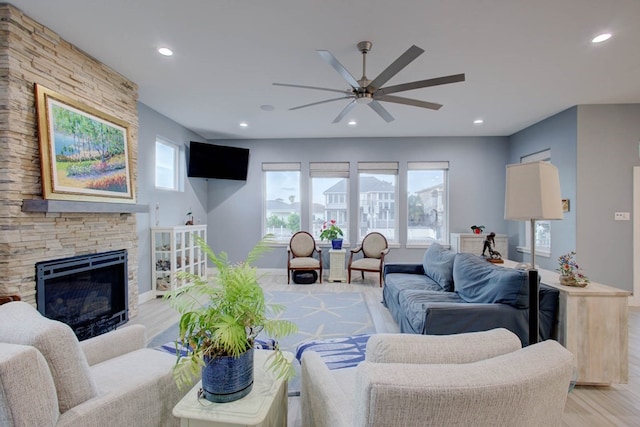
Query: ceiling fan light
[{"x": 364, "y": 99}]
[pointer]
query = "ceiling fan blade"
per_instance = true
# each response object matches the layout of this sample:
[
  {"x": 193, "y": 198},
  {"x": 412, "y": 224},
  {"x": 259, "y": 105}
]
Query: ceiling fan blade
[
  {"x": 405, "y": 59},
  {"x": 382, "y": 112},
  {"x": 313, "y": 87},
  {"x": 320, "y": 102},
  {"x": 344, "y": 111},
  {"x": 420, "y": 84},
  {"x": 331, "y": 60},
  {"x": 408, "y": 101}
]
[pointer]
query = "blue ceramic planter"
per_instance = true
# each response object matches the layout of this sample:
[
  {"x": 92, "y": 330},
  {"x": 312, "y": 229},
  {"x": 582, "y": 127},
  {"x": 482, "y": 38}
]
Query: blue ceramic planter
[
  {"x": 336, "y": 244},
  {"x": 225, "y": 379}
]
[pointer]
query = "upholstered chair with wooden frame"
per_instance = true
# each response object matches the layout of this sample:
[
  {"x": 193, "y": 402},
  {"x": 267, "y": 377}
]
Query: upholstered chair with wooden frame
[
  {"x": 374, "y": 247},
  {"x": 302, "y": 247}
]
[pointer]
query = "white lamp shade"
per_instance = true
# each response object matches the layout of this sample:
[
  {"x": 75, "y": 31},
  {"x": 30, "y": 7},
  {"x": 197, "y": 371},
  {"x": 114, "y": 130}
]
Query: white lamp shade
[{"x": 532, "y": 192}]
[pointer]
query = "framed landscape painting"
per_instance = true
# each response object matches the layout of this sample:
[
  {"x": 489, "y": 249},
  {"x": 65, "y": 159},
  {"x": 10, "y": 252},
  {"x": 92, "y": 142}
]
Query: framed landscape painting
[{"x": 84, "y": 153}]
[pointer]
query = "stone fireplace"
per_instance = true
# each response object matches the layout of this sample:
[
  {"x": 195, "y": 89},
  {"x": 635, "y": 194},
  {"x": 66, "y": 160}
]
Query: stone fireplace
[{"x": 31, "y": 53}]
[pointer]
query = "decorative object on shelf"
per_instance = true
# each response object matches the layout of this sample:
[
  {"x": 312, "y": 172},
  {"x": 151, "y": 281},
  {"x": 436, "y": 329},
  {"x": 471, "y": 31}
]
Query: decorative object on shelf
[
  {"x": 570, "y": 272},
  {"x": 220, "y": 320},
  {"x": 331, "y": 231},
  {"x": 477, "y": 229},
  {"x": 489, "y": 245},
  {"x": 189, "y": 218},
  {"x": 84, "y": 153}
]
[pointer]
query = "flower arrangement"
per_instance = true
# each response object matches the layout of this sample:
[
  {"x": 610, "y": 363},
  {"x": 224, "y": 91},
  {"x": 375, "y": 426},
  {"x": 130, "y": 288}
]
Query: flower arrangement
[
  {"x": 330, "y": 231},
  {"x": 477, "y": 229},
  {"x": 570, "y": 272}
]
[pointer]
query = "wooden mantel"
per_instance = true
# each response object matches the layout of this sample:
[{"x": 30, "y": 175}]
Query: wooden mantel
[{"x": 67, "y": 206}]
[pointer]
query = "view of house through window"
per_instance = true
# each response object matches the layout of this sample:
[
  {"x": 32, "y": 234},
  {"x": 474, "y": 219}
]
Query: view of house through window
[
  {"x": 329, "y": 196},
  {"x": 427, "y": 202},
  {"x": 282, "y": 199},
  {"x": 167, "y": 165},
  {"x": 377, "y": 208}
]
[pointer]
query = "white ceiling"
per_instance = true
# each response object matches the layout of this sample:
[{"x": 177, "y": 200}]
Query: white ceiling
[{"x": 524, "y": 60}]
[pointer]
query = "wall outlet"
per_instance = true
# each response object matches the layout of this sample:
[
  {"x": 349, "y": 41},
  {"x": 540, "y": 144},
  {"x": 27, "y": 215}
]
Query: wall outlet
[{"x": 621, "y": 216}]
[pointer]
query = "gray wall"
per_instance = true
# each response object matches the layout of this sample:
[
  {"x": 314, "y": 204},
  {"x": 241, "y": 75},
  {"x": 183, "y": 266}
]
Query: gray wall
[
  {"x": 557, "y": 133},
  {"x": 608, "y": 138},
  {"x": 476, "y": 180},
  {"x": 173, "y": 205},
  {"x": 595, "y": 148}
]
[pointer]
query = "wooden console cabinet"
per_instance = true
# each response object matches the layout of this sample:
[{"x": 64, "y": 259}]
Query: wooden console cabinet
[{"x": 593, "y": 325}]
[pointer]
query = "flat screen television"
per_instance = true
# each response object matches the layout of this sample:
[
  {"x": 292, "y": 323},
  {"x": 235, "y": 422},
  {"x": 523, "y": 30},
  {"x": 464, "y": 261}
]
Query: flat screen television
[{"x": 217, "y": 161}]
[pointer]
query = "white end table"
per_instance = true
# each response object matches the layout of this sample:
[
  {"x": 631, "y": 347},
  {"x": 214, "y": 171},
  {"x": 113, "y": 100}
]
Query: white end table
[
  {"x": 264, "y": 406},
  {"x": 337, "y": 273}
]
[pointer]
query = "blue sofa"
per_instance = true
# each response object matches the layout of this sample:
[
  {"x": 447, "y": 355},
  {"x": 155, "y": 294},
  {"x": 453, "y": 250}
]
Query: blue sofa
[{"x": 451, "y": 293}]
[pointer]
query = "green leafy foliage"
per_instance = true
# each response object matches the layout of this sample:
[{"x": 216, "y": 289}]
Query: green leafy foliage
[{"x": 222, "y": 316}]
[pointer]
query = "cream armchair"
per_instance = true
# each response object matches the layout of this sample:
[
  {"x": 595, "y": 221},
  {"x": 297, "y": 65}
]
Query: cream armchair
[
  {"x": 48, "y": 378},
  {"x": 474, "y": 379}
]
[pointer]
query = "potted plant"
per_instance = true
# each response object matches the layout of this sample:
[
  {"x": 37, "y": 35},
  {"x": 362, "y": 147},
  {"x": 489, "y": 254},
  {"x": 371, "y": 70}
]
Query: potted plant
[
  {"x": 477, "y": 229},
  {"x": 220, "y": 319},
  {"x": 331, "y": 231}
]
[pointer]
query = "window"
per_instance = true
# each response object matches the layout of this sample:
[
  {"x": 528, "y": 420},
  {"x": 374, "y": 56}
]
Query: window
[
  {"x": 167, "y": 165},
  {"x": 427, "y": 195},
  {"x": 543, "y": 228},
  {"x": 329, "y": 196},
  {"x": 378, "y": 189},
  {"x": 281, "y": 200}
]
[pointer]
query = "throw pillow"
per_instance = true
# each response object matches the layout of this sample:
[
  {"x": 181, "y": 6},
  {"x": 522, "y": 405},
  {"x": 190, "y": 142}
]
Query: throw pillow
[
  {"x": 438, "y": 264},
  {"x": 479, "y": 281}
]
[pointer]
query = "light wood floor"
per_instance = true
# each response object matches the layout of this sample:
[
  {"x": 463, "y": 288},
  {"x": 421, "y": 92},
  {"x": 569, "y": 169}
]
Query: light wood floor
[{"x": 616, "y": 405}]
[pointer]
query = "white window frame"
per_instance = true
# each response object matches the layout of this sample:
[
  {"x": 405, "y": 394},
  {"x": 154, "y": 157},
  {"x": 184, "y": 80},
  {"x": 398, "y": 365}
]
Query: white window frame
[
  {"x": 330, "y": 170},
  {"x": 379, "y": 168},
  {"x": 443, "y": 217},
  {"x": 280, "y": 167},
  {"x": 525, "y": 228},
  {"x": 173, "y": 168}
]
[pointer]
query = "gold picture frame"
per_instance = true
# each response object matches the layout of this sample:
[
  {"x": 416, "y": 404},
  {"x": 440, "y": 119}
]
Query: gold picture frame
[
  {"x": 84, "y": 153},
  {"x": 565, "y": 205}
]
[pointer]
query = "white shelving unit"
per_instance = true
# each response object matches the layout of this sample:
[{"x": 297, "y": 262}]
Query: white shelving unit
[{"x": 173, "y": 250}]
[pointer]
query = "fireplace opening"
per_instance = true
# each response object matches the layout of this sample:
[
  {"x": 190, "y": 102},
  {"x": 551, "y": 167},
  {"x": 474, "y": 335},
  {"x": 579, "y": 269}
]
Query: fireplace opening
[{"x": 87, "y": 292}]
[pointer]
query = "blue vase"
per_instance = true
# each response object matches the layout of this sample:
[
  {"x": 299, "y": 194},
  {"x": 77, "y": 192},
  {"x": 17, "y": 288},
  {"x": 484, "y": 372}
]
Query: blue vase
[
  {"x": 336, "y": 244},
  {"x": 225, "y": 379}
]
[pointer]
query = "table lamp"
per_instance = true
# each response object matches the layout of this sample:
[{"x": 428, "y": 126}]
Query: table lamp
[{"x": 532, "y": 192}]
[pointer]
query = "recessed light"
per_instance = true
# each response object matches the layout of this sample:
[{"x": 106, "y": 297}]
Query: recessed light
[
  {"x": 244, "y": 124},
  {"x": 478, "y": 121},
  {"x": 165, "y": 51},
  {"x": 267, "y": 107},
  {"x": 352, "y": 123},
  {"x": 601, "y": 38}
]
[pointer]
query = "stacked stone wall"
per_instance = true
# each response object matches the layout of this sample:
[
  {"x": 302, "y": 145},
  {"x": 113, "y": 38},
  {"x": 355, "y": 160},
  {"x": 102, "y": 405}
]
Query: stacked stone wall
[{"x": 31, "y": 53}]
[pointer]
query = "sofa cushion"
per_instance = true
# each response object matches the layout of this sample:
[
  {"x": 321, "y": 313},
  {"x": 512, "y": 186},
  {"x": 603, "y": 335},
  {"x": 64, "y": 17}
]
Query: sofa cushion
[
  {"x": 480, "y": 281},
  {"x": 415, "y": 303},
  {"x": 395, "y": 283},
  {"x": 438, "y": 264}
]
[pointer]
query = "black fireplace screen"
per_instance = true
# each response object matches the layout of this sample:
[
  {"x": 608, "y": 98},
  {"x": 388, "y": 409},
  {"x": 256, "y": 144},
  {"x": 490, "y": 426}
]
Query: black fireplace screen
[{"x": 87, "y": 292}]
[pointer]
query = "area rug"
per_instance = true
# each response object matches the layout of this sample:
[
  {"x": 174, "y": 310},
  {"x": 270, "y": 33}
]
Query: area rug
[{"x": 319, "y": 316}]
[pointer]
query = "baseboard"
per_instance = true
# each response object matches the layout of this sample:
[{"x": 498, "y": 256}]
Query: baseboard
[{"x": 147, "y": 296}]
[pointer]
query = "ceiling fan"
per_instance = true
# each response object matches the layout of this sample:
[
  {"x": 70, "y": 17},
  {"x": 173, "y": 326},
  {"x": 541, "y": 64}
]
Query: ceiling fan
[{"x": 371, "y": 91}]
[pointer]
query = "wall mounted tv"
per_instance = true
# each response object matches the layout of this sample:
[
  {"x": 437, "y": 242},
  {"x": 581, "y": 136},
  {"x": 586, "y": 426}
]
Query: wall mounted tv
[{"x": 217, "y": 161}]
